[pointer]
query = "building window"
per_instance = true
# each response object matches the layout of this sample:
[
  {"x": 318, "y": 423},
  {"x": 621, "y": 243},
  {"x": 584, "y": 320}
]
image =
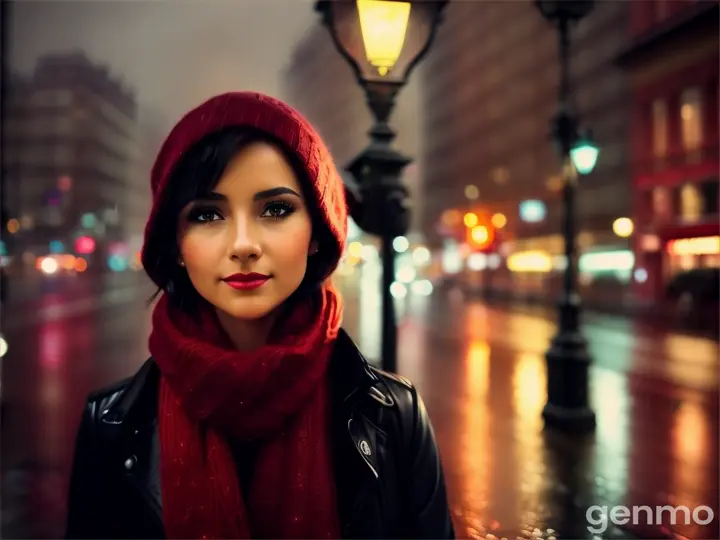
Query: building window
[
  {"x": 691, "y": 203},
  {"x": 659, "y": 129},
  {"x": 691, "y": 121},
  {"x": 661, "y": 203}
]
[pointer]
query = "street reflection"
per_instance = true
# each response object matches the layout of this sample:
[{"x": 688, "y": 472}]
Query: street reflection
[
  {"x": 530, "y": 394},
  {"x": 691, "y": 446},
  {"x": 692, "y": 361},
  {"x": 609, "y": 395},
  {"x": 476, "y": 460}
]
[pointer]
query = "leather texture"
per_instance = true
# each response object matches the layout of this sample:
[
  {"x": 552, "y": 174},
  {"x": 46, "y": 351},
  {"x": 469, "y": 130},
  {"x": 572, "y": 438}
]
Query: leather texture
[{"x": 388, "y": 472}]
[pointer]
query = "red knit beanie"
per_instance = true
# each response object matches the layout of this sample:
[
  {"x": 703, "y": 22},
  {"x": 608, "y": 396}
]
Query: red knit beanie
[{"x": 274, "y": 117}]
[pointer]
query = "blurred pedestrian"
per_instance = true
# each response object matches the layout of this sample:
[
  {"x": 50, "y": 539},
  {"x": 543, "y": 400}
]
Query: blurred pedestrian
[{"x": 256, "y": 416}]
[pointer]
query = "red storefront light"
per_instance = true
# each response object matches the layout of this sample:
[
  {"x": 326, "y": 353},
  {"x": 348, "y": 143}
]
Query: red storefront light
[{"x": 85, "y": 245}]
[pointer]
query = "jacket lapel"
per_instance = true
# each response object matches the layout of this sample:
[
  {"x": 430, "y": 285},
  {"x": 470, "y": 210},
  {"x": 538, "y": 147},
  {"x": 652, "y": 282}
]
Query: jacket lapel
[
  {"x": 131, "y": 430},
  {"x": 355, "y": 438}
]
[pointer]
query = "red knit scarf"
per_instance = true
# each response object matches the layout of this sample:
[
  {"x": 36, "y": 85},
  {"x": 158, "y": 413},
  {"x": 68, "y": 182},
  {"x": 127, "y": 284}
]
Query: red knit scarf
[{"x": 277, "y": 396}]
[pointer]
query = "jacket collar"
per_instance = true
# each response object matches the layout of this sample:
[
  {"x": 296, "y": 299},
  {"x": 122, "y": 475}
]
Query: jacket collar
[{"x": 355, "y": 389}]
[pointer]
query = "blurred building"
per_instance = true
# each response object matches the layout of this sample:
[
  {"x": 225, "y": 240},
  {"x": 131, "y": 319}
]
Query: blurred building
[
  {"x": 321, "y": 85},
  {"x": 70, "y": 131},
  {"x": 490, "y": 90},
  {"x": 151, "y": 129},
  {"x": 673, "y": 59}
]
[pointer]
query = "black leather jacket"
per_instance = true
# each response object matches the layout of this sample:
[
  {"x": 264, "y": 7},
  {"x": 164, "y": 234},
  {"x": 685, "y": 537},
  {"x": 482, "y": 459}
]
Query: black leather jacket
[{"x": 387, "y": 468}]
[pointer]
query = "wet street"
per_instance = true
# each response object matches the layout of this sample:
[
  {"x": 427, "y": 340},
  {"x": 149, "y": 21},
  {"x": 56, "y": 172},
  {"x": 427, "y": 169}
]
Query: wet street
[{"x": 481, "y": 372}]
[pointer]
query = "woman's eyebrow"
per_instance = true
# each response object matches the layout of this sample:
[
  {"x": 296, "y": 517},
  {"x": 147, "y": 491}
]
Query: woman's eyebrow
[
  {"x": 211, "y": 196},
  {"x": 274, "y": 192}
]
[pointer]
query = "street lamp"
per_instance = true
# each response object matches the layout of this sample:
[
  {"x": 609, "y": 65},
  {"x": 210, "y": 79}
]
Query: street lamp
[
  {"x": 568, "y": 359},
  {"x": 584, "y": 154},
  {"x": 382, "y": 40}
]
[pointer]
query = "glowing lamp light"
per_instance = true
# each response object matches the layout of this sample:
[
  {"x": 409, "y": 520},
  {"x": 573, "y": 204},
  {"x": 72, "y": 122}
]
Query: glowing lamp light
[
  {"x": 481, "y": 237},
  {"x": 117, "y": 263},
  {"x": 480, "y": 234},
  {"x": 532, "y": 211},
  {"x": 355, "y": 249},
  {"x": 56, "y": 247},
  {"x": 398, "y": 290},
  {"x": 383, "y": 25},
  {"x": 48, "y": 265},
  {"x": 80, "y": 265},
  {"x": 623, "y": 227},
  {"x": 401, "y": 244},
  {"x": 382, "y": 40},
  {"x": 13, "y": 226},
  {"x": 64, "y": 183},
  {"x": 88, "y": 220},
  {"x": 472, "y": 192},
  {"x": 470, "y": 219},
  {"x": 85, "y": 245},
  {"x": 498, "y": 221},
  {"x": 584, "y": 155},
  {"x": 422, "y": 287},
  {"x": 477, "y": 261},
  {"x": 405, "y": 274},
  {"x": 421, "y": 255}
]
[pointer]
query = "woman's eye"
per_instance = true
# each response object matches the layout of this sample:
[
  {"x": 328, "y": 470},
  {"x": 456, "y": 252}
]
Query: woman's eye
[
  {"x": 277, "y": 210},
  {"x": 204, "y": 215}
]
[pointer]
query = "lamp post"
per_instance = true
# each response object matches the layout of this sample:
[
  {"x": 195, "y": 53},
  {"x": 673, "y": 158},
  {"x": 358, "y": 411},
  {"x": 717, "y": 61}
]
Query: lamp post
[
  {"x": 382, "y": 40},
  {"x": 568, "y": 359}
]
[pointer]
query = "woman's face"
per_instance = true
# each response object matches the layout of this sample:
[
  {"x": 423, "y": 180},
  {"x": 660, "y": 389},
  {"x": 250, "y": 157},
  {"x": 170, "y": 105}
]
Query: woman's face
[{"x": 245, "y": 247}]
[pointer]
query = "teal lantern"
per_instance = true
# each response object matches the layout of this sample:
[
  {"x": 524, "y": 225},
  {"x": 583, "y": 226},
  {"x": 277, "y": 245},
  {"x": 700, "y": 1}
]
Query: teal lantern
[{"x": 584, "y": 155}]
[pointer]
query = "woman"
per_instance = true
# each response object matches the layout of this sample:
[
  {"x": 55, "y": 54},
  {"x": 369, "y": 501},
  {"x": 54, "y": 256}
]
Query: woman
[{"x": 256, "y": 416}]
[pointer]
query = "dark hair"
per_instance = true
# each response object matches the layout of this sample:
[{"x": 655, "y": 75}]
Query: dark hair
[{"x": 198, "y": 172}]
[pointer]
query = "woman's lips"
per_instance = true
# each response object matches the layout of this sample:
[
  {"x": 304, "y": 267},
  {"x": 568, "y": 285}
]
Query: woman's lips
[{"x": 246, "y": 282}]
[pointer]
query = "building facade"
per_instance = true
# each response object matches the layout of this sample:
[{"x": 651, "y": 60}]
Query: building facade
[
  {"x": 672, "y": 60},
  {"x": 70, "y": 131},
  {"x": 490, "y": 90}
]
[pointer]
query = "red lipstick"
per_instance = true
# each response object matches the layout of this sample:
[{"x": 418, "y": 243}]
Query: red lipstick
[{"x": 246, "y": 282}]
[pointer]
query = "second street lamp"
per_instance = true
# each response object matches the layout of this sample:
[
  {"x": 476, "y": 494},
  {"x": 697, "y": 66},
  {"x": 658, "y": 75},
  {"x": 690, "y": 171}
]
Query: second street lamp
[
  {"x": 382, "y": 40},
  {"x": 568, "y": 360}
]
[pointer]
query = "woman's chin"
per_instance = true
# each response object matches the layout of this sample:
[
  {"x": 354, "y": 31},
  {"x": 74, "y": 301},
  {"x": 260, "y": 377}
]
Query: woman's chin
[{"x": 248, "y": 309}]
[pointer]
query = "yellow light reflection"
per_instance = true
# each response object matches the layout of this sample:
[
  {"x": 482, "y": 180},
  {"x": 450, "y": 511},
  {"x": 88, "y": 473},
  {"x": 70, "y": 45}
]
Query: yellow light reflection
[
  {"x": 529, "y": 389},
  {"x": 692, "y": 361},
  {"x": 691, "y": 448},
  {"x": 475, "y": 459},
  {"x": 529, "y": 396},
  {"x": 383, "y": 25}
]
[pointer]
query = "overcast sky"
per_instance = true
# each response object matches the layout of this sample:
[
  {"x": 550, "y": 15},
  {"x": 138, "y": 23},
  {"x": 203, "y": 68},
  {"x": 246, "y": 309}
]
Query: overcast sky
[{"x": 175, "y": 53}]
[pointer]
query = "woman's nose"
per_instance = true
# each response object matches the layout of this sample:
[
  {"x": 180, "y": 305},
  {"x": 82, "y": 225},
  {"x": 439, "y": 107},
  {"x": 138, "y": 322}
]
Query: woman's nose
[{"x": 245, "y": 242}]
